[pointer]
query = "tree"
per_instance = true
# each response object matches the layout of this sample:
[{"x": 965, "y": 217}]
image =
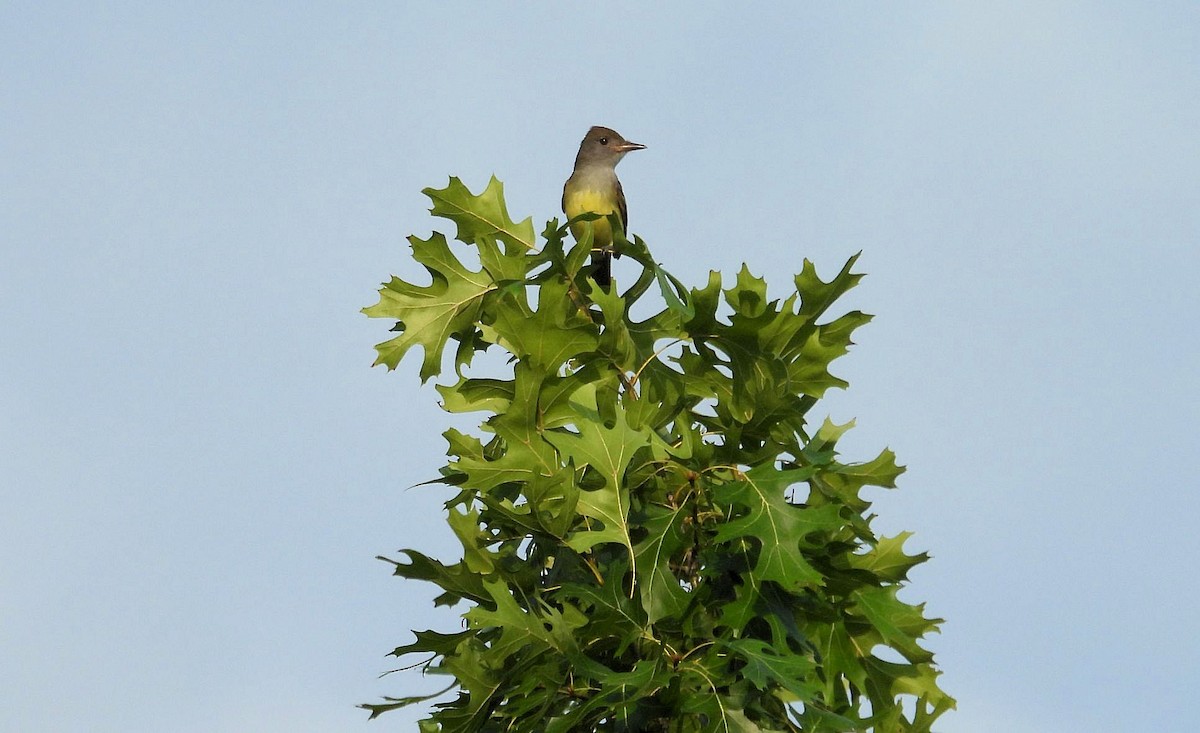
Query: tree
[{"x": 655, "y": 537}]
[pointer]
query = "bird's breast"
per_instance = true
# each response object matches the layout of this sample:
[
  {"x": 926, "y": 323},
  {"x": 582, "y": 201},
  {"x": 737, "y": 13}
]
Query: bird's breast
[
  {"x": 587, "y": 199},
  {"x": 584, "y": 200}
]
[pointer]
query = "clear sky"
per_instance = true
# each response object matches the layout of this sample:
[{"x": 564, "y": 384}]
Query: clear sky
[{"x": 198, "y": 465}]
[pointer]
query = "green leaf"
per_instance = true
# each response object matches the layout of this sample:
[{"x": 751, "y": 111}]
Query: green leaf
[
  {"x": 525, "y": 459},
  {"x": 623, "y": 690},
  {"x": 480, "y": 217},
  {"x": 817, "y": 719},
  {"x": 887, "y": 561},
  {"x": 521, "y": 630},
  {"x": 770, "y": 667},
  {"x": 610, "y": 609},
  {"x": 548, "y": 337},
  {"x": 817, "y": 295},
  {"x": 430, "y": 314},
  {"x": 395, "y": 703},
  {"x": 525, "y": 456},
  {"x": 661, "y": 593},
  {"x": 749, "y": 296},
  {"x": 674, "y": 292},
  {"x": 608, "y": 452},
  {"x": 898, "y": 624},
  {"x": 474, "y": 541},
  {"x": 482, "y": 681},
  {"x": 717, "y": 713},
  {"x": 609, "y": 505},
  {"x": 616, "y": 342},
  {"x": 776, "y": 525},
  {"x": 841, "y": 658},
  {"x": 457, "y": 580},
  {"x": 738, "y": 612},
  {"x": 476, "y": 395},
  {"x": 881, "y": 471},
  {"x": 432, "y": 642},
  {"x": 809, "y": 374}
]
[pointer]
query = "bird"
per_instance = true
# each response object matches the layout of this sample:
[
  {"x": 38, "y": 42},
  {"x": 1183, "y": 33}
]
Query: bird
[{"x": 593, "y": 187}]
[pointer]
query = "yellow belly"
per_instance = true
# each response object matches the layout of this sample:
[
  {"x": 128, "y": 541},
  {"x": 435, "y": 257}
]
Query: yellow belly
[{"x": 579, "y": 202}]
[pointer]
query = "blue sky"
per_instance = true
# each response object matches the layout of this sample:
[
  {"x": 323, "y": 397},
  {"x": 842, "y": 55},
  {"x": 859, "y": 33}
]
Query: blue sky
[{"x": 198, "y": 464}]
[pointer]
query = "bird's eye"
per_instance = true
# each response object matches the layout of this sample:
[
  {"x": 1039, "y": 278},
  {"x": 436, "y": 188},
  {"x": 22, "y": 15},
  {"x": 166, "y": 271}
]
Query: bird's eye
[{"x": 604, "y": 141}]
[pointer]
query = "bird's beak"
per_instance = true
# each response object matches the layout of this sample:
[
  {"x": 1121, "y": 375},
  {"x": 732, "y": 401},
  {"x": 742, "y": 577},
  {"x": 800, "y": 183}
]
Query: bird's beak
[{"x": 626, "y": 146}]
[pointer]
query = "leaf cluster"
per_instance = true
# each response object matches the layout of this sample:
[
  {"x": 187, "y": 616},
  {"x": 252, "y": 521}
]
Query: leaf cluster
[{"x": 655, "y": 535}]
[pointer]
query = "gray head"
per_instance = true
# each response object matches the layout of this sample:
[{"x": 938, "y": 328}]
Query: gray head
[{"x": 603, "y": 146}]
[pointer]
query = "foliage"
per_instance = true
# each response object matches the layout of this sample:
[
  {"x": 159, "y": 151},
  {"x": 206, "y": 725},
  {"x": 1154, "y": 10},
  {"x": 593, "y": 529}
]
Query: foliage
[{"x": 654, "y": 536}]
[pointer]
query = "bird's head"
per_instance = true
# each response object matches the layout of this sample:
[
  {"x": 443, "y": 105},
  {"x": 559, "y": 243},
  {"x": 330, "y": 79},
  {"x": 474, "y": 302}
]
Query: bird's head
[{"x": 604, "y": 145}]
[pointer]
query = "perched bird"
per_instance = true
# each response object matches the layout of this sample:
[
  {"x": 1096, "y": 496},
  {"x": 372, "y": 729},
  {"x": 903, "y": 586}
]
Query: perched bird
[{"x": 593, "y": 186}]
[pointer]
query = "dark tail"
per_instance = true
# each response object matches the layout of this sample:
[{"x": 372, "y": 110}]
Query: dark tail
[{"x": 602, "y": 269}]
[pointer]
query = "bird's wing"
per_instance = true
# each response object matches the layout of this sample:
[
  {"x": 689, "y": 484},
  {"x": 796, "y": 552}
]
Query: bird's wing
[{"x": 621, "y": 206}]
